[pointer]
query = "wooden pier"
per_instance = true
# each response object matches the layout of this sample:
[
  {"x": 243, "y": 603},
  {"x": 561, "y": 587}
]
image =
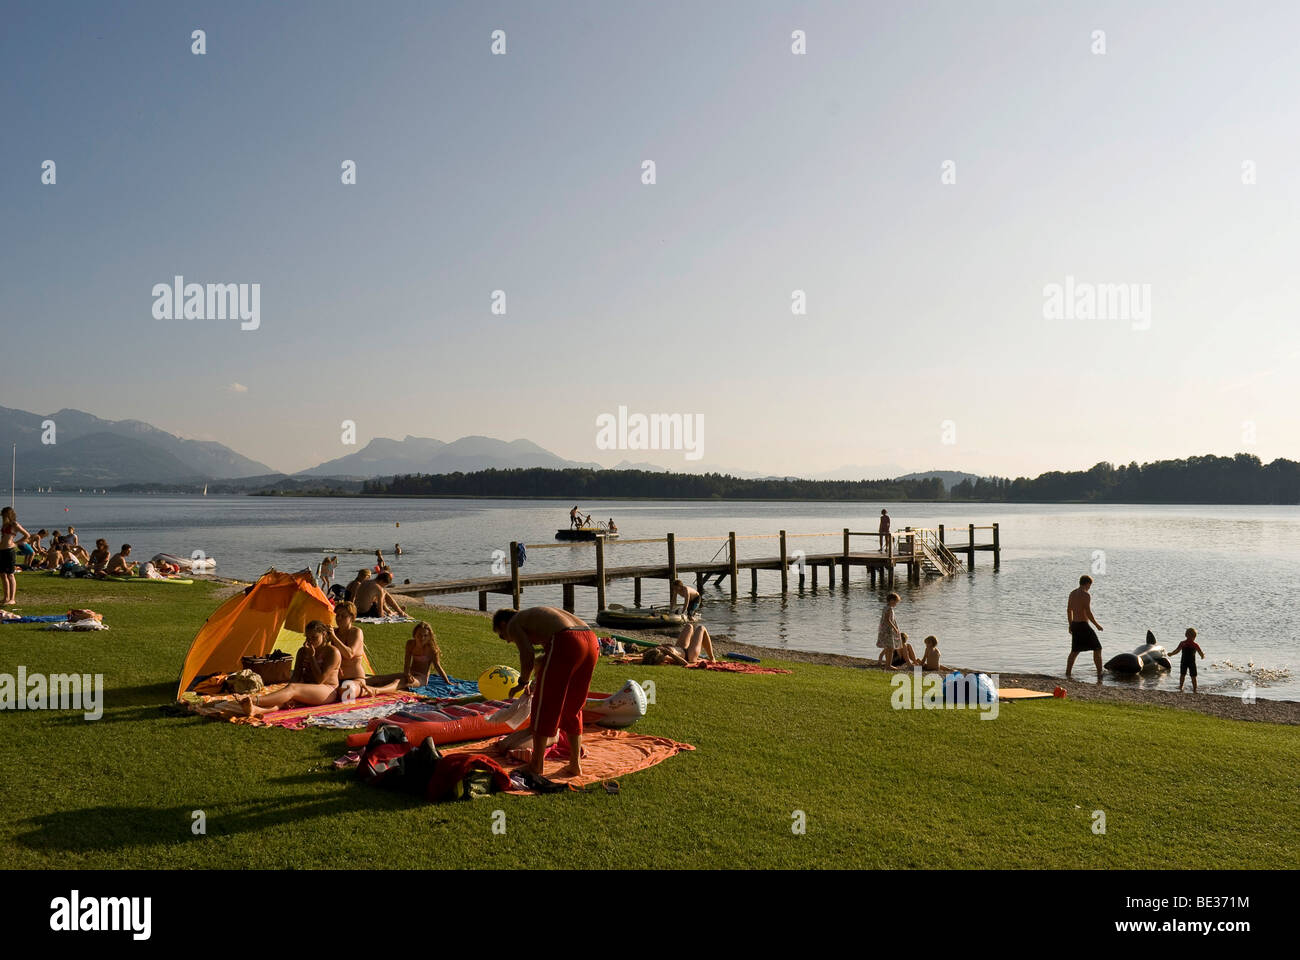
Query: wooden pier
[{"x": 919, "y": 550}]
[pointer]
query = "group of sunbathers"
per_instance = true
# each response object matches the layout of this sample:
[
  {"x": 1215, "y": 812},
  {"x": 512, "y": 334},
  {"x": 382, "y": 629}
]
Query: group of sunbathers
[{"x": 330, "y": 666}]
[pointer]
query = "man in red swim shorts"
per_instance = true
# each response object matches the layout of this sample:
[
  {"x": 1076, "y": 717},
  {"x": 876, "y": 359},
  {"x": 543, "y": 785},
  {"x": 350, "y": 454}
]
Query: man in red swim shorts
[{"x": 569, "y": 651}]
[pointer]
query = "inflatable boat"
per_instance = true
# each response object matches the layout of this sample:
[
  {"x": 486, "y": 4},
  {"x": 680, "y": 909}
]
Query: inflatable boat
[
  {"x": 638, "y": 618},
  {"x": 186, "y": 563},
  {"x": 475, "y": 722},
  {"x": 1150, "y": 657}
]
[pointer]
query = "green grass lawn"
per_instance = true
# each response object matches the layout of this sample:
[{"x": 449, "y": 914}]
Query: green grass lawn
[{"x": 879, "y": 787}]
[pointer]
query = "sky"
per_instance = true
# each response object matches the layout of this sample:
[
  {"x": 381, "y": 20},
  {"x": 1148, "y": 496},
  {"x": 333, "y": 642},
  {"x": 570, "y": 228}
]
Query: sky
[{"x": 923, "y": 173}]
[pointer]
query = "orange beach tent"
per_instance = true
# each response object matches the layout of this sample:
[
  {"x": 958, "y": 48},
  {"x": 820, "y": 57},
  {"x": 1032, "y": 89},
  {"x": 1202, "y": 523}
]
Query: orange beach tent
[{"x": 272, "y": 614}]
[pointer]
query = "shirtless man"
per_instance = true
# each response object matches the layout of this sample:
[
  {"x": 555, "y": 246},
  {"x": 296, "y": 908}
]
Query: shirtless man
[
  {"x": 315, "y": 679},
  {"x": 1079, "y": 612},
  {"x": 99, "y": 559},
  {"x": 119, "y": 565},
  {"x": 373, "y": 600},
  {"x": 569, "y": 654},
  {"x": 691, "y": 599},
  {"x": 573, "y": 517}
]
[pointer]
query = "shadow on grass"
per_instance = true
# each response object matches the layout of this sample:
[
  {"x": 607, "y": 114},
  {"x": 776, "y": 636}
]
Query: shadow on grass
[{"x": 109, "y": 828}]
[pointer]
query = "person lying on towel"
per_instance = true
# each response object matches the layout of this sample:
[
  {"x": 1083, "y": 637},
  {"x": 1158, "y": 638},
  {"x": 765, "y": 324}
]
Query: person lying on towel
[
  {"x": 315, "y": 678},
  {"x": 568, "y": 658},
  {"x": 691, "y": 642}
]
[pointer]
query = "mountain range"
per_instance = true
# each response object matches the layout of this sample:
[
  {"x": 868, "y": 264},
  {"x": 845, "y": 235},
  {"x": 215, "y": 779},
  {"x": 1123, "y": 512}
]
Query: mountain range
[{"x": 72, "y": 448}]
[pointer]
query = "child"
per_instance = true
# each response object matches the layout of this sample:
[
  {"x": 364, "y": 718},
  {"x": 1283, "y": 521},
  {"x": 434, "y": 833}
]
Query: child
[
  {"x": 931, "y": 659},
  {"x": 888, "y": 636},
  {"x": 423, "y": 657},
  {"x": 1190, "y": 648},
  {"x": 904, "y": 655}
]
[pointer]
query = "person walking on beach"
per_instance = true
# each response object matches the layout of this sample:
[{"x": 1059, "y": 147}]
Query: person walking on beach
[
  {"x": 10, "y": 529},
  {"x": 1078, "y": 611},
  {"x": 569, "y": 654},
  {"x": 888, "y": 636},
  {"x": 1189, "y": 649},
  {"x": 884, "y": 529}
]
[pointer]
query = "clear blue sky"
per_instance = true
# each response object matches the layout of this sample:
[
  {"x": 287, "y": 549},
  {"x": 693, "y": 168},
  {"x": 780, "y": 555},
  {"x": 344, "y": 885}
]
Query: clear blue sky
[{"x": 775, "y": 173}]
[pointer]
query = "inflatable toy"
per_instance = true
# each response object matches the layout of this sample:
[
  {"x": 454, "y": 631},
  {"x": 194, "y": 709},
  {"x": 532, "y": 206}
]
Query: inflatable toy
[
  {"x": 1150, "y": 657},
  {"x": 495, "y": 683}
]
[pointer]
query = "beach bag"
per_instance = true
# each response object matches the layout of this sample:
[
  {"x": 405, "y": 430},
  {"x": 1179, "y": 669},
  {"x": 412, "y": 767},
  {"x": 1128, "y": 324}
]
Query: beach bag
[
  {"x": 245, "y": 681},
  {"x": 276, "y": 668},
  {"x": 390, "y": 762}
]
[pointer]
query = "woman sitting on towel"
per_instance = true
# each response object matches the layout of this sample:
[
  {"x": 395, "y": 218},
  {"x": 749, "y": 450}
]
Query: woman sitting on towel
[
  {"x": 350, "y": 642},
  {"x": 691, "y": 642},
  {"x": 423, "y": 656},
  {"x": 315, "y": 679}
]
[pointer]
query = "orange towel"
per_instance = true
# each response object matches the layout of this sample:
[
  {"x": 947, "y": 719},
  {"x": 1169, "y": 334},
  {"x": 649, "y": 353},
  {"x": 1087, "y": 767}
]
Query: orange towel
[{"x": 607, "y": 754}]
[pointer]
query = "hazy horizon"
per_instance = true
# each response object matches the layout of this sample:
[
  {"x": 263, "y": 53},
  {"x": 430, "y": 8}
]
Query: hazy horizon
[{"x": 928, "y": 343}]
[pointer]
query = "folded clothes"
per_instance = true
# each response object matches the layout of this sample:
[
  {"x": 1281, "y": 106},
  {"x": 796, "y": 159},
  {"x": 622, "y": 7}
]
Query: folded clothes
[{"x": 79, "y": 625}]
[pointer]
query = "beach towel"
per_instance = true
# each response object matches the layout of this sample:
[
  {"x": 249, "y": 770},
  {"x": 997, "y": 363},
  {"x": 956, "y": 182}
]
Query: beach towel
[
  {"x": 440, "y": 689},
  {"x": 350, "y": 715},
  {"x": 391, "y": 618},
  {"x": 50, "y": 619},
  {"x": 733, "y": 667},
  {"x": 607, "y": 755},
  {"x": 1020, "y": 693}
]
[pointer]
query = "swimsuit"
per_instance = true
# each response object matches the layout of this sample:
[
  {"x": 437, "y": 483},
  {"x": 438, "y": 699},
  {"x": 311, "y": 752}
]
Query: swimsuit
[
  {"x": 1188, "y": 663},
  {"x": 1083, "y": 637},
  {"x": 561, "y": 690},
  {"x": 8, "y": 560}
]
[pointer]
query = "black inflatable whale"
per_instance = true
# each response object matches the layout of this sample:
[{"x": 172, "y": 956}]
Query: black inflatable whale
[{"x": 1148, "y": 658}]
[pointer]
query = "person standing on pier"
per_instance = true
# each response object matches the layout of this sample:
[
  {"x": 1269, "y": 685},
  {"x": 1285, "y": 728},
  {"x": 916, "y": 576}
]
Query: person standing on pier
[
  {"x": 884, "y": 529},
  {"x": 1078, "y": 610},
  {"x": 568, "y": 658},
  {"x": 574, "y": 520}
]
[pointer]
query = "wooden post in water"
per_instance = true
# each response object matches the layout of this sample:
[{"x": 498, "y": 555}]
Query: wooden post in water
[
  {"x": 672, "y": 566},
  {"x": 482, "y": 599},
  {"x": 997, "y": 548},
  {"x": 830, "y": 574},
  {"x": 753, "y": 580},
  {"x": 814, "y": 572},
  {"x": 941, "y": 533},
  {"x": 970, "y": 552},
  {"x": 568, "y": 597},
  {"x": 515, "y": 589},
  {"x": 735, "y": 570},
  {"x": 844, "y": 569},
  {"x": 600, "y": 573},
  {"x": 785, "y": 569},
  {"x": 636, "y": 591}
]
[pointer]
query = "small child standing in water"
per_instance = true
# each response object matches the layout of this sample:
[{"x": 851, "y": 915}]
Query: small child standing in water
[{"x": 1189, "y": 648}]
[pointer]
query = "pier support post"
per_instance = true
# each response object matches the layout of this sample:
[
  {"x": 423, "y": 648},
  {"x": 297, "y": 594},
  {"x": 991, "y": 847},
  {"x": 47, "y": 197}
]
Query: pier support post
[
  {"x": 672, "y": 566},
  {"x": 515, "y": 590},
  {"x": 568, "y": 597},
  {"x": 814, "y": 572},
  {"x": 997, "y": 548},
  {"x": 941, "y": 533},
  {"x": 785, "y": 568},
  {"x": 636, "y": 591},
  {"x": 600, "y": 573},
  {"x": 970, "y": 552},
  {"x": 844, "y": 570},
  {"x": 482, "y": 600},
  {"x": 871, "y": 574},
  {"x": 830, "y": 574},
  {"x": 753, "y": 580},
  {"x": 735, "y": 570},
  {"x": 700, "y": 578}
]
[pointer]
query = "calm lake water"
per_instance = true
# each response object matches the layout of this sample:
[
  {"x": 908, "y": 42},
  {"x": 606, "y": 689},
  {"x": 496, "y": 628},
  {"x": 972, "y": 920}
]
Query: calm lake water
[{"x": 1231, "y": 572}]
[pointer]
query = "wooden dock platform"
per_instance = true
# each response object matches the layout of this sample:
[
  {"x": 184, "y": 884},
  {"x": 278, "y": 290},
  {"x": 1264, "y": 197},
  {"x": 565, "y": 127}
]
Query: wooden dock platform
[{"x": 919, "y": 550}]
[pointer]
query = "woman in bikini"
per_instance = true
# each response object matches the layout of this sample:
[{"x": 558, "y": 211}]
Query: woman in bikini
[
  {"x": 350, "y": 642},
  {"x": 423, "y": 657},
  {"x": 10, "y": 529},
  {"x": 315, "y": 678},
  {"x": 691, "y": 642}
]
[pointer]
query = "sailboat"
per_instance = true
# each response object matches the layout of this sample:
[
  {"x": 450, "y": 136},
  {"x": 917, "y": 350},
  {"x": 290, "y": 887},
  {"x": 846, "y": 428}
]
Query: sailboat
[{"x": 205, "y": 489}]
